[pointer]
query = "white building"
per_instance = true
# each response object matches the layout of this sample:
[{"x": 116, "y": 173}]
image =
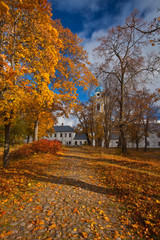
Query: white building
[
  {"x": 153, "y": 141},
  {"x": 67, "y": 136}
]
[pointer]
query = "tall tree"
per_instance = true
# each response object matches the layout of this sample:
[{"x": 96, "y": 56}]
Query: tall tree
[
  {"x": 121, "y": 55},
  {"x": 35, "y": 50},
  {"x": 142, "y": 115},
  {"x": 28, "y": 46}
]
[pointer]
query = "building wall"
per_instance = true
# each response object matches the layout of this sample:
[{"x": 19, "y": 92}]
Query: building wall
[
  {"x": 79, "y": 142},
  {"x": 153, "y": 142},
  {"x": 65, "y": 137}
]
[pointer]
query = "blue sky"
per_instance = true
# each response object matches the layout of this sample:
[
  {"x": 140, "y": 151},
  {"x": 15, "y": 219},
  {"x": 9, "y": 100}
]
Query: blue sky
[
  {"x": 91, "y": 19},
  {"x": 88, "y": 17}
]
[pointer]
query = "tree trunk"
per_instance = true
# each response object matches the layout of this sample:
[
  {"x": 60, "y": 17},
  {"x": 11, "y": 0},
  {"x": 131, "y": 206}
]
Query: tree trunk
[
  {"x": 122, "y": 132},
  {"x": 145, "y": 141},
  {"x": 88, "y": 140},
  {"x": 106, "y": 141},
  {"x": 99, "y": 142},
  {"x": 145, "y": 134},
  {"x": 137, "y": 144},
  {"x": 123, "y": 141},
  {"x": 6, "y": 145},
  {"x": 119, "y": 142},
  {"x": 28, "y": 139},
  {"x": 36, "y": 130}
]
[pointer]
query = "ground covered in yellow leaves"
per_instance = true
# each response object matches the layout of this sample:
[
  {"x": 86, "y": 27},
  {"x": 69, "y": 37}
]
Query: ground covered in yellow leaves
[{"x": 81, "y": 193}]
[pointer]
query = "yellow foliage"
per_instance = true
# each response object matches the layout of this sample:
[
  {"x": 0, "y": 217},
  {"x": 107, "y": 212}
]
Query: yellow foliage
[
  {"x": 34, "y": 51},
  {"x": 3, "y": 8}
]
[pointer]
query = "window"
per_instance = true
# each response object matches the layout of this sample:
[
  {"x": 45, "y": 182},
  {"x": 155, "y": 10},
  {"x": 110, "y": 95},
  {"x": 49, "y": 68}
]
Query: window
[
  {"x": 65, "y": 134},
  {"x": 98, "y": 107},
  {"x": 55, "y": 135},
  {"x": 80, "y": 142},
  {"x": 159, "y": 135},
  {"x": 75, "y": 142},
  {"x": 159, "y": 144},
  {"x": 69, "y": 142},
  {"x": 61, "y": 135},
  {"x": 70, "y": 135},
  {"x": 147, "y": 143}
]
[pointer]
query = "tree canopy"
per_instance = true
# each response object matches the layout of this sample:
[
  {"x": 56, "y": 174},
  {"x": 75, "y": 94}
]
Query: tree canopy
[{"x": 41, "y": 64}]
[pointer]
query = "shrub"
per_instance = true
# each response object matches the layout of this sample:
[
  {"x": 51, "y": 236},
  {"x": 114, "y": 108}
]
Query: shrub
[{"x": 41, "y": 146}]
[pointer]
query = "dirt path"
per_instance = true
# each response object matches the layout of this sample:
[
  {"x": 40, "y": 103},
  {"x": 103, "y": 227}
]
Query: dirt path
[{"x": 72, "y": 204}]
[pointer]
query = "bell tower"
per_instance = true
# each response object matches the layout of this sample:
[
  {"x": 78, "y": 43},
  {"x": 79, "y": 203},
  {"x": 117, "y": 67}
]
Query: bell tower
[{"x": 99, "y": 100}]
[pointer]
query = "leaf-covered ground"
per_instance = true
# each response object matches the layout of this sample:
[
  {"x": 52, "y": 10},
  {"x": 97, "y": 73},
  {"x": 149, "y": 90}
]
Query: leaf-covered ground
[{"x": 83, "y": 193}]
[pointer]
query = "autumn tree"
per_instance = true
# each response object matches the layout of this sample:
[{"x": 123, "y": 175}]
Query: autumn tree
[
  {"x": 136, "y": 118},
  {"x": 150, "y": 29},
  {"x": 28, "y": 46},
  {"x": 90, "y": 121},
  {"x": 141, "y": 115},
  {"x": 121, "y": 56},
  {"x": 84, "y": 113},
  {"x": 33, "y": 48},
  {"x": 72, "y": 70},
  {"x": 41, "y": 111}
]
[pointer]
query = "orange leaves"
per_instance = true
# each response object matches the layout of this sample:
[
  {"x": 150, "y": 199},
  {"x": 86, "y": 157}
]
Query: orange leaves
[
  {"x": 152, "y": 42},
  {"x": 75, "y": 210},
  {"x": 4, "y": 9},
  {"x": 37, "y": 50},
  {"x": 131, "y": 181},
  {"x": 52, "y": 226},
  {"x": 39, "y": 208},
  {"x": 2, "y": 213},
  {"x": 5, "y": 234},
  {"x": 35, "y": 54},
  {"x": 49, "y": 213},
  {"x": 43, "y": 146},
  {"x": 72, "y": 67},
  {"x": 38, "y": 223},
  {"x": 84, "y": 234}
]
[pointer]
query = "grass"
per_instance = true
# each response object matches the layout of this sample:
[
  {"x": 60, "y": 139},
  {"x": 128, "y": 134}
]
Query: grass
[{"x": 133, "y": 180}]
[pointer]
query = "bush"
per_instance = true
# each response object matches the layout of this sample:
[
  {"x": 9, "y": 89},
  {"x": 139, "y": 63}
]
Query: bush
[{"x": 41, "y": 146}]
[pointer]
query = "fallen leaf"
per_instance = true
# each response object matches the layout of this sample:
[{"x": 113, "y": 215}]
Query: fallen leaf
[
  {"x": 106, "y": 218},
  {"x": 52, "y": 226},
  {"x": 84, "y": 234}
]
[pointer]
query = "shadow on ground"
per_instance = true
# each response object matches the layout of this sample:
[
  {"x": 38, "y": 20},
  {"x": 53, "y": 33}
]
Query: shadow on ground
[{"x": 41, "y": 172}]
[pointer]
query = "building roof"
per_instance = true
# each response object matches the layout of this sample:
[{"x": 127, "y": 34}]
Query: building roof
[
  {"x": 63, "y": 129},
  {"x": 80, "y": 136}
]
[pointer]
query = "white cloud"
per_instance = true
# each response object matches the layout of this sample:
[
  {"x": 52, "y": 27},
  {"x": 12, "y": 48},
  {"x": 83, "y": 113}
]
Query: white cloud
[
  {"x": 71, "y": 121},
  {"x": 146, "y": 7},
  {"x": 70, "y": 5},
  {"x": 90, "y": 43}
]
